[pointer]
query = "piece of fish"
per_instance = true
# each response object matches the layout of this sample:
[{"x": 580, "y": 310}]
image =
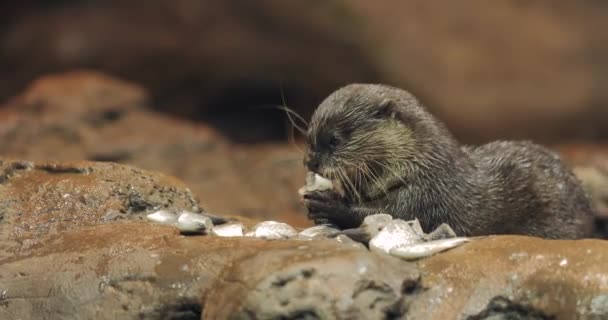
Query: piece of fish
[
  {"x": 315, "y": 182},
  {"x": 272, "y": 230},
  {"x": 189, "y": 222},
  {"x": 162, "y": 217},
  {"x": 231, "y": 229},
  {"x": 425, "y": 249},
  {"x": 396, "y": 233},
  {"x": 319, "y": 232}
]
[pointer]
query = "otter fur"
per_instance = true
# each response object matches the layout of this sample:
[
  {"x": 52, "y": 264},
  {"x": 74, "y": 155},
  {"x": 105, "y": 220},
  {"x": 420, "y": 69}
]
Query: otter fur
[{"x": 392, "y": 156}]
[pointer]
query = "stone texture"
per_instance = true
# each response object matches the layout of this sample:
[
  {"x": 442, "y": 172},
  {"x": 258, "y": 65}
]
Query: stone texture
[
  {"x": 40, "y": 199},
  {"x": 311, "y": 280},
  {"x": 91, "y": 116},
  {"x": 130, "y": 270},
  {"x": 557, "y": 278},
  {"x": 90, "y": 255}
]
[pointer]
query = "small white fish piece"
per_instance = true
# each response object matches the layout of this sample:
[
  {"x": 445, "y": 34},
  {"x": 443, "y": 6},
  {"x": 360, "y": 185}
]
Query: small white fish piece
[
  {"x": 425, "y": 249},
  {"x": 162, "y": 217},
  {"x": 315, "y": 182},
  {"x": 396, "y": 233},
  {"x": 228, "y": 230},
  {"x": 189, "y": 222},
  {"x": 444, "y": 231},
  {"x": 273, "y": 230},
  {"x": 318, "y": 232},
  {"x": 376, "y": 222}
]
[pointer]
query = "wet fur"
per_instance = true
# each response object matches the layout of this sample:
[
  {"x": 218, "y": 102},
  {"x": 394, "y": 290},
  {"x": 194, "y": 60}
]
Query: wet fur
[{"x": 497, "y": 188}]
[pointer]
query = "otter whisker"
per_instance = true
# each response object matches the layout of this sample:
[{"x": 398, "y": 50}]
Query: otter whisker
[
  {"x": 289, "y": 114},
  {"x": 292, "y": 140},
  {"x": 291, "y": 110},
  {"x": 349, "y": 183},
  {"x": 390, "y": 170},
  {"x": 374, "y": 178},
  {"x": 354, "y": 185}
]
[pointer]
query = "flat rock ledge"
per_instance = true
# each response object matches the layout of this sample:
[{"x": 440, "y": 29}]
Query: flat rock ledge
[{"x": 74, "y": 245}]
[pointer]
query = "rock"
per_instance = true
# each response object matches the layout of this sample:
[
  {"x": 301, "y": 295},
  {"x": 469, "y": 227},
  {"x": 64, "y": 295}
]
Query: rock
[
  {"x": 425, "y": 249},
  {"x": 348, "y": 241},
  {"x": 188, "y": 222},
  {"x": 44, "y": 198},
  {"x": 129, "y": 270},
  {"x": 503, "y": 308},
  {"x": 396, "y": 233},
  {"x": 235, "y": 229},
  {"x": 564, "y": 279},
  {"x": 313, "y": 282},
  {"x": 90, "y": 254},
  {"x": 89, "y": 115},
  {"x": 273, "y": 230}
]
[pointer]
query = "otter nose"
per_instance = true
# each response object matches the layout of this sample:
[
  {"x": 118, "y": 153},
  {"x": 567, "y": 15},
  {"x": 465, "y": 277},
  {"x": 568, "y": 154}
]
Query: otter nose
[{"x": 312, "y": 162}]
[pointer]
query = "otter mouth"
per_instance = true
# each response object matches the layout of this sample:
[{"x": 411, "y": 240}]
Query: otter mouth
[
  {"x": 346, "y": 181},
  {"x": 356, "y": 185}
]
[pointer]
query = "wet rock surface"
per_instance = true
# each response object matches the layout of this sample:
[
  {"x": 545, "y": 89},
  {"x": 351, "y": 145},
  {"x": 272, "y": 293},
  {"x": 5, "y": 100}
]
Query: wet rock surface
[
  {"x": 525, "y": 277},
  {"x": 132, "y": 270},
  {"x": 38, "y": 199},
  {"x": 66, "y": 258},
  {"x": 74, "y": 241}
]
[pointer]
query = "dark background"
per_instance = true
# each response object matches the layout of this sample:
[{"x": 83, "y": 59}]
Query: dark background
[{"x": 490, "y": 69}]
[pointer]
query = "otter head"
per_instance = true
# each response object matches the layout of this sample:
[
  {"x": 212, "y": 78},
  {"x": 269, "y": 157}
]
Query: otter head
[{"x": 370, "y": 138}]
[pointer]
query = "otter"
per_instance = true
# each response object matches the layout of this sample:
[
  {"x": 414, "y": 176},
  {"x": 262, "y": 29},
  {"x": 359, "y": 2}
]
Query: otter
[{"x": 390, "y": 155}]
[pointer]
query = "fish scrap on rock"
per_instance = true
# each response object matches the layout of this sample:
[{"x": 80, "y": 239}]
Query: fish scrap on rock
[
  {"x": 272, "y": 230},
  {"x": 187, "y": 222},
  {"x": 232, "y": 229}
]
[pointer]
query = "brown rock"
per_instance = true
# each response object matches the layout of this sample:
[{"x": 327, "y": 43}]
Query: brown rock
[
  {"x": 69, "y": 249},
  {"x": 39, "y": 199},
  {"x": 90, "y": 116},
  {"x": 556, "y": 278},
  {"x": 312, "y": 280},
  {"x": 139, "y": 270}
]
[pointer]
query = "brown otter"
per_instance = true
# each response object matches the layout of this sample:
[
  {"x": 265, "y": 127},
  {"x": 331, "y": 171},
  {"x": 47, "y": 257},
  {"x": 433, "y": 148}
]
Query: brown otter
[{"x": 390, "y": 155}]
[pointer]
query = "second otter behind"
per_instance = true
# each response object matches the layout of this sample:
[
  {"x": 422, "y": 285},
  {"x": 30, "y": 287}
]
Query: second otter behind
[{"x": 390, "y": 155}]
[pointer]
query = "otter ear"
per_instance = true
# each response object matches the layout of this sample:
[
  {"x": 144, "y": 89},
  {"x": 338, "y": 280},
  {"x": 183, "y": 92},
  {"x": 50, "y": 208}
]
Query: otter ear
[{"x": 387, "y": 109}]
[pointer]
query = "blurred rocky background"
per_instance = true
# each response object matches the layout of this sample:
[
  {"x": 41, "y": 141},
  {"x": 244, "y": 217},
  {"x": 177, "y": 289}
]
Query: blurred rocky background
[{"x": 191, "y": 88}]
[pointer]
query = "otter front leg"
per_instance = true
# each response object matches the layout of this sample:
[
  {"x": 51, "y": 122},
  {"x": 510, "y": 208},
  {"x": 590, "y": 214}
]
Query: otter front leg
[{"x": 329, "y": 208}]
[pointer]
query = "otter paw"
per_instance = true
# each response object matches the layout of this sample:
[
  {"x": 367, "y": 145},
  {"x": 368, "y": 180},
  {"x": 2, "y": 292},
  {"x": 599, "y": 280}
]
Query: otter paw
[{"x": 327, "y": 207}]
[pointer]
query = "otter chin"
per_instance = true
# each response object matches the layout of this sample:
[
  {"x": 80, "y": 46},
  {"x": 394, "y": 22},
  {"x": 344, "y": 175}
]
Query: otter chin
[{"x": 390, "y": 155}]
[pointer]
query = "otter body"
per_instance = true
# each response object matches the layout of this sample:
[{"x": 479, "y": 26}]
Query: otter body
[{"x": 392, "y": 156}]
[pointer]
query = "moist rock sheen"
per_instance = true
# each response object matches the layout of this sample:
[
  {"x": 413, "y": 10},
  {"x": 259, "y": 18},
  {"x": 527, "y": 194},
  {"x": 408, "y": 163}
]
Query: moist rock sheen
[
  {"x": 503, "y": 187},
  {"x": 71, "y": 257}
]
